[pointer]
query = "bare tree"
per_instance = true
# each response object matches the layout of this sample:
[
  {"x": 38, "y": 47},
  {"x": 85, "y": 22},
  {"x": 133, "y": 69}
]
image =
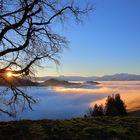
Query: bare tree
[{"x": 27, "y": 37}]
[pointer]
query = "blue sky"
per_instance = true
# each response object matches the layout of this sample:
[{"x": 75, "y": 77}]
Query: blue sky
[{"x": 108, "y": 42}]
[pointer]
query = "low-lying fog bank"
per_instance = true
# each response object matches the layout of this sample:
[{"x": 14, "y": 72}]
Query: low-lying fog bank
[{"x": 73, "y": 101}]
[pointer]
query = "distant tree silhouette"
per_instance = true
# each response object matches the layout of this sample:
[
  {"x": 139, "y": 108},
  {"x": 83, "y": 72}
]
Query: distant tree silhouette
[
  {"x": 90, "y": 112},
  {"x": 28, "y": 37},
  {"x": 101, "y": 110},
  {"x": 120, "y": 105},
  {"x": 96, "y": 110},
  {"x": 115, "y": 106}
]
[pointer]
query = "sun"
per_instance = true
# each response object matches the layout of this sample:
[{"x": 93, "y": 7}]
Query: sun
[{"x": 9, "y": 74}]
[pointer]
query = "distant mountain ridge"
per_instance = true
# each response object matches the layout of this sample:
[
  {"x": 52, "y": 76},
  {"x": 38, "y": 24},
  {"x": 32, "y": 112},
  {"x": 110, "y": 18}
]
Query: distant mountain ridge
[
  {"x": 115, "y": 77},
  {"x": 120, "y": 77}
]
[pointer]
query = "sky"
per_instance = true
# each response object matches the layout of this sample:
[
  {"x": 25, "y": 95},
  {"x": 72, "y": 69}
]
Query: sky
[{"x": 108, "y": 41}]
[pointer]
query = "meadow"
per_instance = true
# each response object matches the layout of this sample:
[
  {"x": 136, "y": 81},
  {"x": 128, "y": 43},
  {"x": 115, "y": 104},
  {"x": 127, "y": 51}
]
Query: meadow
[{"x": 96, "y": 128}]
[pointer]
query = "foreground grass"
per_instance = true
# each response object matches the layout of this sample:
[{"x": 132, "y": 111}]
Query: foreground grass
[{"x": 98, "y": 128}]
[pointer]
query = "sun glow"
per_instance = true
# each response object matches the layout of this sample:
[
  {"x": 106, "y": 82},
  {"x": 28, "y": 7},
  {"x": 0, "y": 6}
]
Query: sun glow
[{"x": 9, "y": 74}]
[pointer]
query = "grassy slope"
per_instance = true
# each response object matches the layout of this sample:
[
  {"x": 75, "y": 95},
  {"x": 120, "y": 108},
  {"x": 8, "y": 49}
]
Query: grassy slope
[{"x": 100, "y": 128}]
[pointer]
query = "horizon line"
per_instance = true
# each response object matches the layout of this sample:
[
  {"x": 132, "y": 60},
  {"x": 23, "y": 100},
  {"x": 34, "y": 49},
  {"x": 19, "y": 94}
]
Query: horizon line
[{"x": 86, "y": 76}]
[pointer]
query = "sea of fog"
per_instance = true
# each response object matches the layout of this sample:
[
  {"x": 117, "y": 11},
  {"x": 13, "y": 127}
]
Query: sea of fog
[{"x": 73, "y": 101}]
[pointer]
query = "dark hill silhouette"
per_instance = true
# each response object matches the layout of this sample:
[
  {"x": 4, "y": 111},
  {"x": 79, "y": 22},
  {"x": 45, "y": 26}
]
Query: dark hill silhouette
[
  {"x": 16, "y": 81},
  {"x": 55, "y": 82},
  {"x": 92, "y": 82}
]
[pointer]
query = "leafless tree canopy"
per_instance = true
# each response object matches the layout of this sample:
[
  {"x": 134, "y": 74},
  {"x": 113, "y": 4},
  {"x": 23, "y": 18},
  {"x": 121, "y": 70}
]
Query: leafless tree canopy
[{"x": 27, "y": 35}]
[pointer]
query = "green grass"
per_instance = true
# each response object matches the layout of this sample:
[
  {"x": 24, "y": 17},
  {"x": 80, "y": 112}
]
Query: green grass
[{"x": 98, "y": 128}]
